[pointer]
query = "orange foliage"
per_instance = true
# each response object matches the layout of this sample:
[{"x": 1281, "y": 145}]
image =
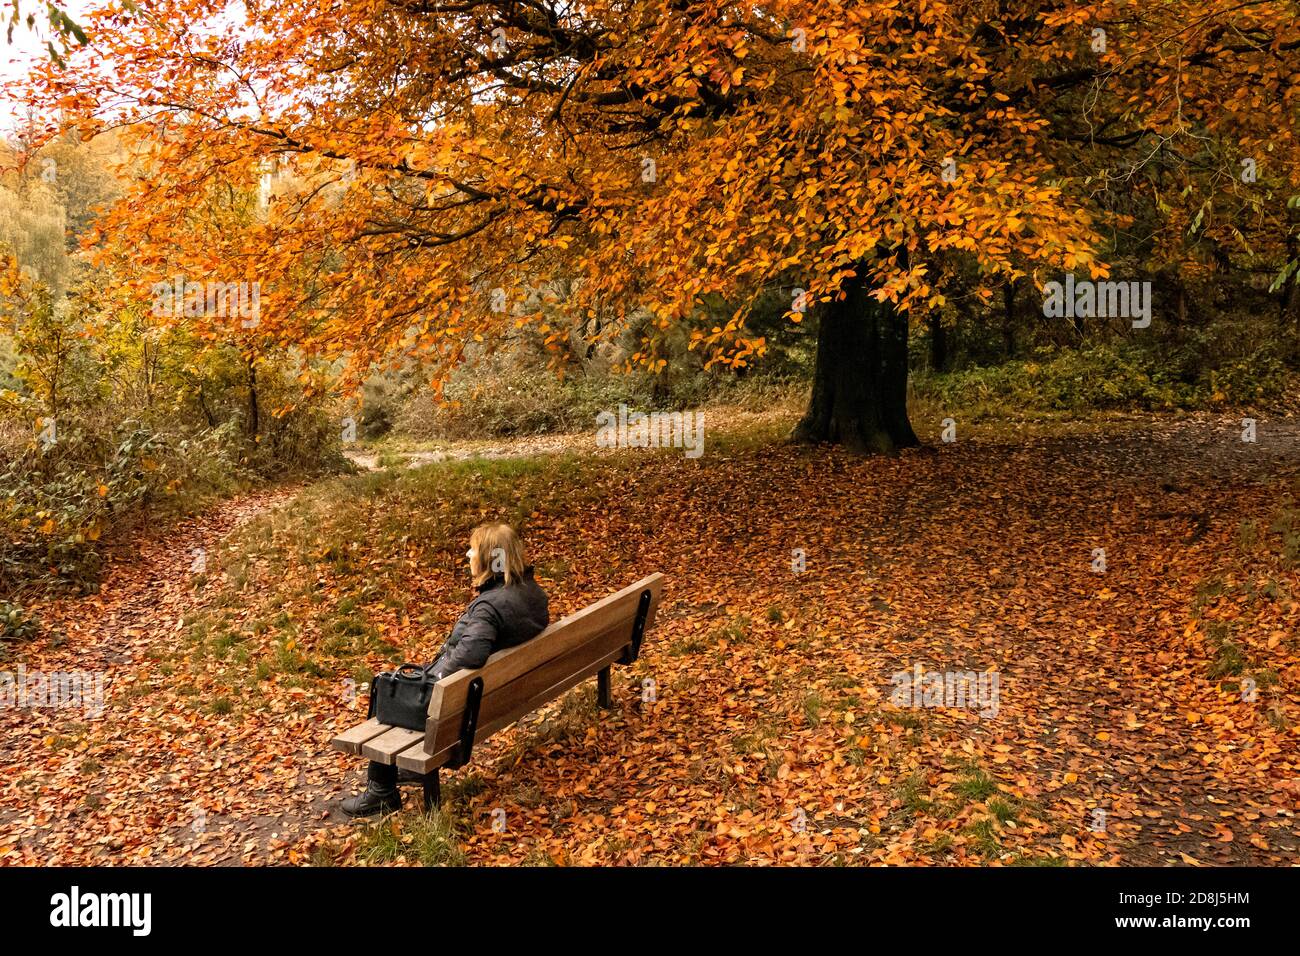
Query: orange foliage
[{"x": 442, "y": 160}]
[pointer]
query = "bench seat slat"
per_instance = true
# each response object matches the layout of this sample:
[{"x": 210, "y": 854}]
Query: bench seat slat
[
  {"x": 352, "y": 739},
  {"x": 388, "y": 745}
]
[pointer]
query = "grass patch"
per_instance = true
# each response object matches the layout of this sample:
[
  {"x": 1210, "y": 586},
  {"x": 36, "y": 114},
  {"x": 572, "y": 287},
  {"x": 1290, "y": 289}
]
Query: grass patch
[
  {"x": 982, "y": 838},
  {"x": 366, "y": 538},
  {"x": 685, "y": 646},
  {"x": 429, "y": 839},
  {"x": 1002, "y": 810},
  {"x": 813, "y": 705},
  {"x": 904, "y": 719},
  {"x": 538, "y": 857},
  {"x": 939, "y": 845},
  {"x": 976, "y": 785},
  {"x": 1030, "y": 859},
  {"x": 324, "y": 855},
  {"x": 913, "y": 792}
]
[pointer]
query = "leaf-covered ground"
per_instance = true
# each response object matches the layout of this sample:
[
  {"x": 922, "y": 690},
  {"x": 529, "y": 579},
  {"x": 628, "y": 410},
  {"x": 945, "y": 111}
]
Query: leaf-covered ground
[{"x": 772, "y": 738}]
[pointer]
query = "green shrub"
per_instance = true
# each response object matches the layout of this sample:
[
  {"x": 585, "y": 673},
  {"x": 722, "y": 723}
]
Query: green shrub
[
  {"x": 1113, "y": 376},
  {"x": 58, "y": 503},
  {"x": 15, "y": 625},
  {"x": 1257, "y": 379},
  {"x": 112, "y": 465}
]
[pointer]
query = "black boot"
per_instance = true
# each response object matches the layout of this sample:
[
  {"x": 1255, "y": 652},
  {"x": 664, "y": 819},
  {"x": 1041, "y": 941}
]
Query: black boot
[{"x": 380, "y": 795}]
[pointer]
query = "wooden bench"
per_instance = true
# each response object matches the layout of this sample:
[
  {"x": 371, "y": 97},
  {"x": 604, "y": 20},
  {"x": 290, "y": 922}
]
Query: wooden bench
[{"x": 470, "y": 706}]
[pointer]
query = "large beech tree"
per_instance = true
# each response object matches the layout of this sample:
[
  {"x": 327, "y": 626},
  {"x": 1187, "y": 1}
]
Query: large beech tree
[{"x": 444, "y": 158}]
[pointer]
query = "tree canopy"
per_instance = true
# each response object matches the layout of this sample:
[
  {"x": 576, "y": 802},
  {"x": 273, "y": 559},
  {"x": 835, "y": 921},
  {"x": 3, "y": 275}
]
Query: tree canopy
[{"x": 438, "y": 161}]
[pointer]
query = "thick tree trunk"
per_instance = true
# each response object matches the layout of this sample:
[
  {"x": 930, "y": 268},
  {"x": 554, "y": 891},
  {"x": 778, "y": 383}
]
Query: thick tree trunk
[{"x": 859, "y": 394}]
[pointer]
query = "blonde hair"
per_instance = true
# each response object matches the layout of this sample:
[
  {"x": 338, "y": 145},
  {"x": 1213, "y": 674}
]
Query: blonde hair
[{"x": 497, "y": 550}]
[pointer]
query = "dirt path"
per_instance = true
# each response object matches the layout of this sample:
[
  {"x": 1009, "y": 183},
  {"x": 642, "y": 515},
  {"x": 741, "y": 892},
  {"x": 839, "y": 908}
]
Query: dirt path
[
  {"x": 461, "y": 451},
  {"x": 141, "y": 601},
  {"x": 720, "y": 418}
]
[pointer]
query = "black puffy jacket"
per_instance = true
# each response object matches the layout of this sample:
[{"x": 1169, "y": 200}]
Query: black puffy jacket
[{"x": 499, "y": 617}]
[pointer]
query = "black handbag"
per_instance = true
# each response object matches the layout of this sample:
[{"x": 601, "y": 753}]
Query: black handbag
[{"x": 401, "y": 697}]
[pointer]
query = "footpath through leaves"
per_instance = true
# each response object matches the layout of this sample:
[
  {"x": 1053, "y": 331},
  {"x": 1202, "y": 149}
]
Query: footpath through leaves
[{"x": 1144, "y": 710}]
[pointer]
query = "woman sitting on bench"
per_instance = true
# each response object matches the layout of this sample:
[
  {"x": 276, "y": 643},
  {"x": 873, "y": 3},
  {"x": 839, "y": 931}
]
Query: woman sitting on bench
[{"x": 510, "y": 608}]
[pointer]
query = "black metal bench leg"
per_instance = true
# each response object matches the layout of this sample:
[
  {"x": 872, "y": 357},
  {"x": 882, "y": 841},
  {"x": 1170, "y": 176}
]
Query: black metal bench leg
[
  {"x": 603, "y": 695},
  {"x": 432, "y": 791}
]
